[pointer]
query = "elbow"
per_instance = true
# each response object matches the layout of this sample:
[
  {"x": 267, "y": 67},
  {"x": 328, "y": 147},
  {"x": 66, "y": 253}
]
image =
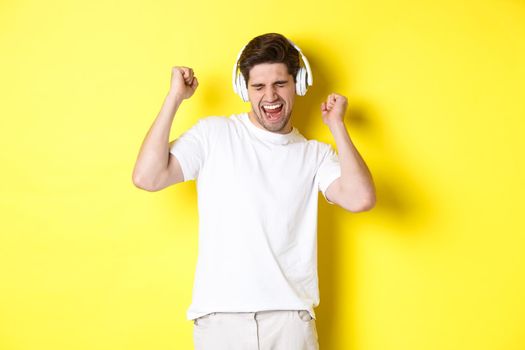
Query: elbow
[
  {"x": 364, "y": 204},
  {"x": 369, "y": 203},
  {"x": 143, "y": 184}
]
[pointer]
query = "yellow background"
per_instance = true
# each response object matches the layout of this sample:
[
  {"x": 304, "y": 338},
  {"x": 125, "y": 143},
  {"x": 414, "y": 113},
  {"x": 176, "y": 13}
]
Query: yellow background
[{"x": 436, "y": 98}]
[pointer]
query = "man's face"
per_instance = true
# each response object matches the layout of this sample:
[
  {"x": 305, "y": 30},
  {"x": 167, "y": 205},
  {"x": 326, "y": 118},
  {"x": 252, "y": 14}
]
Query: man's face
[{"x": 270, "y": 85}]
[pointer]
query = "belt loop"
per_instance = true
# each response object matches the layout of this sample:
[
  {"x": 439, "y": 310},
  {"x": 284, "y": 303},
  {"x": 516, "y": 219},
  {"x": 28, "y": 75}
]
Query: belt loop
[{"x": 305, "y": 315}]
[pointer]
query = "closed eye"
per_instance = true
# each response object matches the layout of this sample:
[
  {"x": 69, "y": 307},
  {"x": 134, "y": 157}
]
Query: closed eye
[
  {"x": 280, "y": 84},
  {"x": 260, "y": 88}
]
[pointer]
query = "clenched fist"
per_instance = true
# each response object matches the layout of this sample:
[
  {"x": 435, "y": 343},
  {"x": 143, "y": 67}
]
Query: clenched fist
[
  {"x": 334, "y": 109},
  {"x": 183, "y": 82}
]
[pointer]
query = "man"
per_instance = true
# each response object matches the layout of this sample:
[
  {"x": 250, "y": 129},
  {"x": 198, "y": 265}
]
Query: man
[{"x": 257, "y": 181}]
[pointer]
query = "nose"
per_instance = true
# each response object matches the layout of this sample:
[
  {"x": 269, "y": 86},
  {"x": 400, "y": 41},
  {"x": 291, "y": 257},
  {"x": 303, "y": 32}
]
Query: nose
[{"x": 270, "y": 93}]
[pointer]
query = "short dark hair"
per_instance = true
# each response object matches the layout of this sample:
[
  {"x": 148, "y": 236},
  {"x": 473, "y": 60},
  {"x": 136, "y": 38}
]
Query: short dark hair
[{"x": 269, "y": 48}]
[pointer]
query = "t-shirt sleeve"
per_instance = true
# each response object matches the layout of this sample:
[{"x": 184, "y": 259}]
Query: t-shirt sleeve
[
  {"x": 190, "y": 150},
  {"x": 328, "y": 171}
]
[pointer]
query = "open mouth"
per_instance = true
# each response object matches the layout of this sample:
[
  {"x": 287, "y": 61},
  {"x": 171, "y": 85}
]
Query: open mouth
[{"x": 273, "y": 112}]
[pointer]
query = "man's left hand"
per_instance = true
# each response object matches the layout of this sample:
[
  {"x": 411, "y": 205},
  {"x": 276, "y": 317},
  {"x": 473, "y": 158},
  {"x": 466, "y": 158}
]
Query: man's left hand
[{"x": 334, "y": 108}]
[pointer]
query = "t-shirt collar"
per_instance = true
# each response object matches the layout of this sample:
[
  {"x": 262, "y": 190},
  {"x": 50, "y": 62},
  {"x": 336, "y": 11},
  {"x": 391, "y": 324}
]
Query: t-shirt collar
[{"x": 274, "y": 137}]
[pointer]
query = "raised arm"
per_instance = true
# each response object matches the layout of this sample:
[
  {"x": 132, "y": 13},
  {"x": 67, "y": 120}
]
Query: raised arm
[
  {"x": 156, "y": 168},
  {"x": 354, "y": 190}
]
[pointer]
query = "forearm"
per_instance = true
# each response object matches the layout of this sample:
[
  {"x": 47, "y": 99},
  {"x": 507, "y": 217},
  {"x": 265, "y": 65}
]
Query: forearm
[
  {"x": 153, "y": 156},
  {"x": 356, "y": 180}
]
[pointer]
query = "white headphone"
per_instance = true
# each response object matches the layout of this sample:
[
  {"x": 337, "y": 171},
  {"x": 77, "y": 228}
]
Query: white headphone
[{"x": 303, "y": 79}]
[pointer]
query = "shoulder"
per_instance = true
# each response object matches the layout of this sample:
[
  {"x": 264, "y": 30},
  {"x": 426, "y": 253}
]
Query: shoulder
[
  {"x": 319, "y": 147},
  {"x": 212, "y": 121},
  {"x": 211, "y": 125},
  {"x": 217, "y": 127}
]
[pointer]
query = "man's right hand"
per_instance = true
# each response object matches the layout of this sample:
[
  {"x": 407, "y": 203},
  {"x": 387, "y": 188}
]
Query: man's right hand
[{"x": 183, "y": 82}]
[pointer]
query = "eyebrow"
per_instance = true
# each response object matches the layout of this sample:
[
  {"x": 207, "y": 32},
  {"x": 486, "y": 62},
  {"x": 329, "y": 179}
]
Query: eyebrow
[{"x": 277, "y": 82}]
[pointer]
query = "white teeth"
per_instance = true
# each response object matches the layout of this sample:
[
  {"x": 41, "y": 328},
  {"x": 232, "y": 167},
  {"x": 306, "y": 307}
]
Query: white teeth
[{"x": 272, "y": 106}]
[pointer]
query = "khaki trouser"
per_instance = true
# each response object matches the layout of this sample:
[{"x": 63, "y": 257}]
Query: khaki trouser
[{"x": 262, "y": 330}]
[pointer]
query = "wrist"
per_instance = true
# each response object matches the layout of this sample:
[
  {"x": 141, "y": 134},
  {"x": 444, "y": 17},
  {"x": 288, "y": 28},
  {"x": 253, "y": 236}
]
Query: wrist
[
  {"x": 175, "y": 97},
  {"x": 336, "y": 124}
]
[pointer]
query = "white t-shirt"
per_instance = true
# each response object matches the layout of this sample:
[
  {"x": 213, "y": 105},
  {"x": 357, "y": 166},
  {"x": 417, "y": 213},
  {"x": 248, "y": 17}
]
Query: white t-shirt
[{"x": 257, "y": 195}]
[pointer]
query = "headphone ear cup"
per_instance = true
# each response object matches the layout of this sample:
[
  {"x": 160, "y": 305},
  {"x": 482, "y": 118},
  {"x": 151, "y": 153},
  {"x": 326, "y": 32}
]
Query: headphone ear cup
[
  {"x": 300, "y": 82},
  {"x": 305, "y": 80},
  {"x": 305, "y": 87},
  {"x": 238, "y": 85},
  {"x": 243, "y": 89}
]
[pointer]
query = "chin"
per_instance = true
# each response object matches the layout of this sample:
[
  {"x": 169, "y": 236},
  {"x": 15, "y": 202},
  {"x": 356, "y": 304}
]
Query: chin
[{"x": 276, "y": 127}]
